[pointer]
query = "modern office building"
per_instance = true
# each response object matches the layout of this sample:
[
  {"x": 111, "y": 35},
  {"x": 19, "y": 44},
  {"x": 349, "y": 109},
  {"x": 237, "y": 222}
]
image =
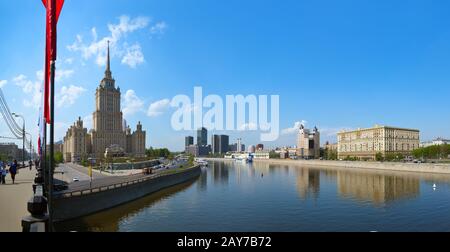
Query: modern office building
[
  {"x": 189, "y": 140},
  {"x": 239, "y": 145},
  {"x": 202, "y": 137},
  {"x": 220, "y": 144},
  {"x": 308, "y": 143},
  {"x": 365, "y": 144},
  {"x": 198, "y": 151},
  {"x": 234, "y": 148}
]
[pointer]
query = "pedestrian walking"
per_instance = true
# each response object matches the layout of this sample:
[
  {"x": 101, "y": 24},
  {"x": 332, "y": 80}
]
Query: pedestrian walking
[
  {"x": 13, "y": 170},
  {"x": 2, "y": 173},
  {"x": 30, "y": 164}
]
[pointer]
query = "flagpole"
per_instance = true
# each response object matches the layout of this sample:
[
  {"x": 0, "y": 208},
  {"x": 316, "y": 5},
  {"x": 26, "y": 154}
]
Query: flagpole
[{"x": 52, "y": 140}]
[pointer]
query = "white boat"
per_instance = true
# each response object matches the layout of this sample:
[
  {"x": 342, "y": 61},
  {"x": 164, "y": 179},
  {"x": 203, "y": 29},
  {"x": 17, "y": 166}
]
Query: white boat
[{"x": 201, "y": 162}]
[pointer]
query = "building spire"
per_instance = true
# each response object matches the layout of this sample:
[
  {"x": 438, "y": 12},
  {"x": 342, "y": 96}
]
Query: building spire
[{"x": 108, "y": 73}]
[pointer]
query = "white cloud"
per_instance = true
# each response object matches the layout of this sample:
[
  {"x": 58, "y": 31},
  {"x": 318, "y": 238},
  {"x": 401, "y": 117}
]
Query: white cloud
[
  {"x": 23, "y": 82},
  {"x": 31, "y": 90},
  {"x": 3, "y": 83},
  {"x": 294, "y": 129},
  {"x": 67, "y": 96},
  {"x": 88, "y": 122},
  {"x": 62, "y": 74},
  {"x": 61, "y": 130},
  {"x": 159, "y": 28},
  {"x": 132, "y": 103},
  {"x": 133, "y": 56},
  {"x": 158, "y": 108},
  {"x": 69, "y": 61},
  {"x": 331, "y": 132},
  {"x": 127, "y": 25}
]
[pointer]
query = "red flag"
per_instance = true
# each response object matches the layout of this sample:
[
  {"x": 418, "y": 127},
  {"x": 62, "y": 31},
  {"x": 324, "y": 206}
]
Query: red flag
[{"x": 53, "y": 8}]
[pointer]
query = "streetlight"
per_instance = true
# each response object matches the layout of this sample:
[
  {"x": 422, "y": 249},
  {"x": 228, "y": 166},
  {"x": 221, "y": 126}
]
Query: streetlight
[
  {"x": 31, "y": 146},
  {"x": 23, "y": 137}
]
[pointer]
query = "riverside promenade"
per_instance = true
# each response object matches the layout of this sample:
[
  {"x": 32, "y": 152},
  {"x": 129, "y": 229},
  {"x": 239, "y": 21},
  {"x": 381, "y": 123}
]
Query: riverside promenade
[
  {"x": 14, "y": 198},
  {"x": 386, "y": 166}
]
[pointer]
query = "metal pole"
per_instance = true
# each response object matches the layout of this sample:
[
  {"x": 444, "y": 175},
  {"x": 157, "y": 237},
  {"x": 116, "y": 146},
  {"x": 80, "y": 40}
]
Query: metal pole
[
  {"x": 44, "y": 157},
  {"x": 23, "y": 137},
  {"x": 23, "y": 144},
  {"x": 52, "y": 140}
]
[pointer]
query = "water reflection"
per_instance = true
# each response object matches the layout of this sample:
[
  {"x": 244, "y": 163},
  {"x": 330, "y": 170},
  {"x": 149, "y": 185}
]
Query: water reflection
[
  {"x": 232, "y": 196},
  {"x": 220, "y": 173},
  {"x": 376, "y": 188},
  {"x": 308, "y": 183},
  {"x": 109, "y": 221},
  {"x": 203, "y": 180}
]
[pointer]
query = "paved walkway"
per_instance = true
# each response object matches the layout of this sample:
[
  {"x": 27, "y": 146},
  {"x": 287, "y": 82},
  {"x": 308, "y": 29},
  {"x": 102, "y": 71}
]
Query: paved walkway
[{"x": 13, "y": 200}]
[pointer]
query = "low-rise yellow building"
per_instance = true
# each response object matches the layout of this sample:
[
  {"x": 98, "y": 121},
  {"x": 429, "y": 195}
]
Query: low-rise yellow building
[{"x": 365, "y": 144}]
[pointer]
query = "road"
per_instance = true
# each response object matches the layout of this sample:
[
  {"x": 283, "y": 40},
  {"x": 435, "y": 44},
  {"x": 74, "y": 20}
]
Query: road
[
  {"x": 99, "y": 180},
  {"x": 67, "y": 172}
]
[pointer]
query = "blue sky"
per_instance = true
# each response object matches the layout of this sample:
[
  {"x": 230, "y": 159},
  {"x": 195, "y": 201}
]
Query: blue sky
[{"x": 335, "y": 64}]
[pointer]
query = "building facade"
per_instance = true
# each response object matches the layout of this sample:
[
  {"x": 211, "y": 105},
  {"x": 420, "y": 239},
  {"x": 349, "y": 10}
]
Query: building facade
[
  {"x": 198, "y": 151},
  {"x": 202, "y": 137},
  {"x": 188, "y": 141},
  {"x": 308, "y": 143},
  {"x": 108, "y": 130},
  {"x": 10, "y": 151},
  {"x": 77, "y": 143},
  {"x": 365, "y": 144},
  {"x": 220, "y": 144}
]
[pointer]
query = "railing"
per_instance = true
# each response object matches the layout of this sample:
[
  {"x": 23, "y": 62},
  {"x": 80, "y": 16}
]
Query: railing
[{"x": 99, "y": 189}]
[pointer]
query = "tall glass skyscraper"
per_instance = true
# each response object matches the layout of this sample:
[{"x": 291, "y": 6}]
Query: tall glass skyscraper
[{"x": 202, "y": 137}]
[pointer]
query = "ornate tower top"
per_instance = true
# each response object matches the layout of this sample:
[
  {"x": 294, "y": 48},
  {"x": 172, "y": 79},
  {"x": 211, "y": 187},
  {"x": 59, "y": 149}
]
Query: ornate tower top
[
  {"x": 108, "y": 65},
  {"x": 108, "y": 81}
]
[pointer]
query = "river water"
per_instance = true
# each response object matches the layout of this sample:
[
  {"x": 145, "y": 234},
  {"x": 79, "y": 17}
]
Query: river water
[{"x": 233, "y": 197}]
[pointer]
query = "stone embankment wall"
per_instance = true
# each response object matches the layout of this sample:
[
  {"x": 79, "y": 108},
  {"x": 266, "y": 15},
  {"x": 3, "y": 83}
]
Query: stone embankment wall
[{"x": 66, "y": 208}]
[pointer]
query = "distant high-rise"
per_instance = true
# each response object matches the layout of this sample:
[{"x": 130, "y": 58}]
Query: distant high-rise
[
  {"x": 308, "y": 143},
  {"x": 202, "y": 137},
  {"x": 215, "y": 144},
  {"x": 110, "y": 131},
  {"x": 260, "y": 147},
  {"x": 224, "y": 143},
  {"x": 189, "y": 140},
  {"x": 239, "y": 145},
  {"x": 220, "y": 144}
]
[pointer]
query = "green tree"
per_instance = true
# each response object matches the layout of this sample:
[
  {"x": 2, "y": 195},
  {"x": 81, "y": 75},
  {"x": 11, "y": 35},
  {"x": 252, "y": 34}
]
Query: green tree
[
  {"x": 432, "y": 152},
  {"x": 331, "y": 155},
  {"x": 59, "y": 157},
  {"x": 274, "y": 155},
  {"x": 379, "y": 157},
  {"x": 158, "y": 153},
  {"x": 191, "y": 160}
]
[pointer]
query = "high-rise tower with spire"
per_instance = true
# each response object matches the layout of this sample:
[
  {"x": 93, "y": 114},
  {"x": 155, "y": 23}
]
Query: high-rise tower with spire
[{"x": 108, "y": 131}]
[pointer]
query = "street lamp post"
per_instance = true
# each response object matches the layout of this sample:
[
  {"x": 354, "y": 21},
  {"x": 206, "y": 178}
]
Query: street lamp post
[
  {"x": 31, "y": 147},
  {"x": 23, "y": 138}
]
